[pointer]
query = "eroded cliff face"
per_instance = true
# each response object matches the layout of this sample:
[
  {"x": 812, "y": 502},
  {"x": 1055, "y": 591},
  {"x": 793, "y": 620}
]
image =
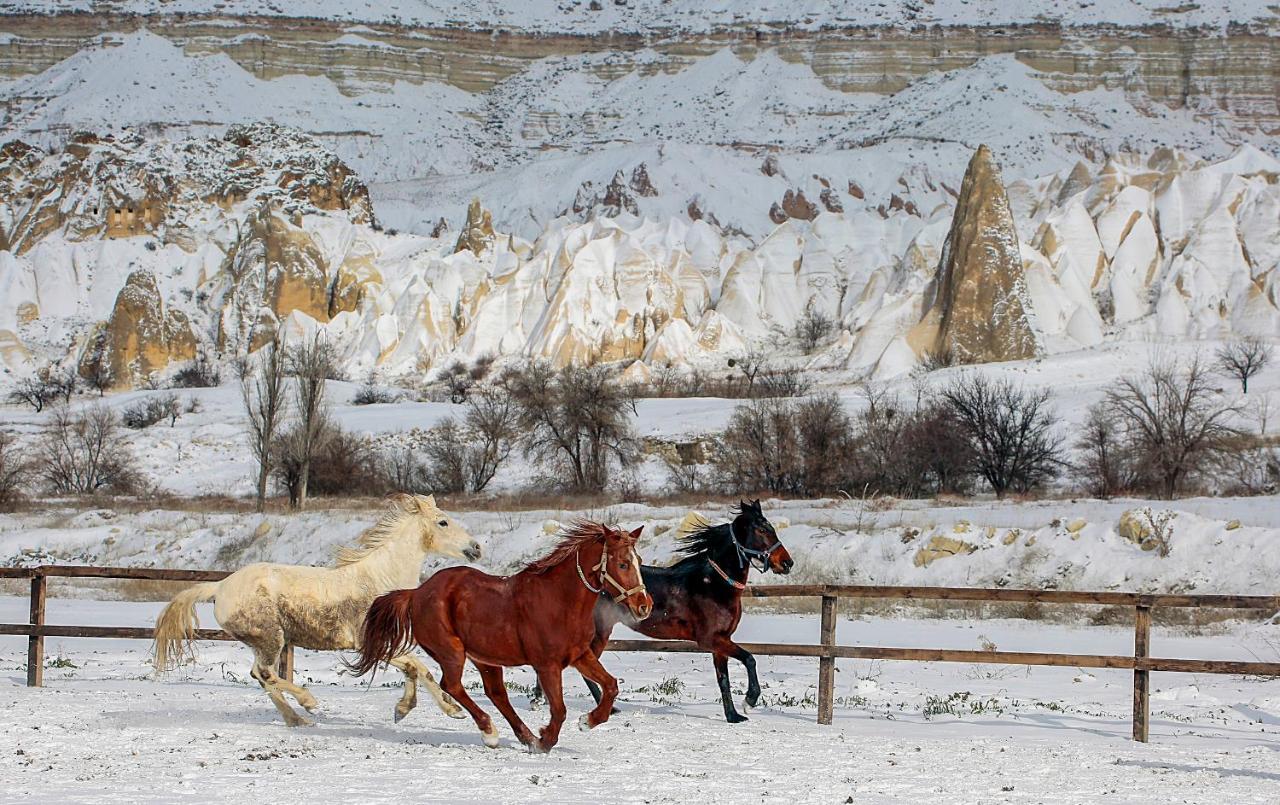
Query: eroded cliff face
[{"x": 1235, "y": 70}]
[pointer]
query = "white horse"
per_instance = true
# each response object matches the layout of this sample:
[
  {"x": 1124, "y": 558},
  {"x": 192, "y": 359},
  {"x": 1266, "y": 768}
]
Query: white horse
[{"x": 266, "y": 606}]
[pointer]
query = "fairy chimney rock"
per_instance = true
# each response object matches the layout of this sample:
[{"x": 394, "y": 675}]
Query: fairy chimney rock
[
  {"x": 477, "y": 232},
  {"x": 980, "y": 310}
]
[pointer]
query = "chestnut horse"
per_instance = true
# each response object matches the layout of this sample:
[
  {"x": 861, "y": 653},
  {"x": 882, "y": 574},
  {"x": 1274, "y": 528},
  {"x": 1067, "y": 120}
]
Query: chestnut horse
[
  {"x": 541, "y": 616},
  {"x": 699, "y": 598}
]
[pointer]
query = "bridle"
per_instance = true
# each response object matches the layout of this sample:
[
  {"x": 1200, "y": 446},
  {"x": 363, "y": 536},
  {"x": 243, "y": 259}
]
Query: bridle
[
  {"x": 760, "y": 559},
  {"x": 607, "y": 579}
]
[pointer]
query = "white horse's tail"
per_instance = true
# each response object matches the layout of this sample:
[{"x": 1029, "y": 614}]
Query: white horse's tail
[{"x": 176, "y": 627}]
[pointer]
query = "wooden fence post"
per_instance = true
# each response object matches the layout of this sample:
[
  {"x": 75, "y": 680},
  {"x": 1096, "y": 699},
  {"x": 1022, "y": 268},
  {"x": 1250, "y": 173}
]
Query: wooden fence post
[
  {"x": 286, "y": 663},
  {"x": 35, "y": 643},
  {"x": 827, "y": 663},
  {"x": 1141, "y": 677}
]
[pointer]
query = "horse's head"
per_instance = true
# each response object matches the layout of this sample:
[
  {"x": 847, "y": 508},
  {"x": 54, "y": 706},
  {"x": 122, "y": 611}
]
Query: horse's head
[
  {"x": 620, "y": 571},
  {"x": 439, "y": 532},
  {"x": 758, "y": 539}
]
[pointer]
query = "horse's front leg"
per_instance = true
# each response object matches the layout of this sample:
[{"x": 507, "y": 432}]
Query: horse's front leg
[
  {"x": 414, "y": 672},
  {"x": 596, "y": 675},
  {"x": 552, "y": 687},
  {"x": 731, "y": 713},
  {"x": 725, "y": 645}
]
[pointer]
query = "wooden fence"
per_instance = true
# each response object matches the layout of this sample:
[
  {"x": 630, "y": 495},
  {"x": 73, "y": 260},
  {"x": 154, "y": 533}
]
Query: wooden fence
[{"x": 827, "y": 651}]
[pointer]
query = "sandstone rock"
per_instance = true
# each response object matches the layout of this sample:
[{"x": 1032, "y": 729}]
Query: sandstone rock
[
  {"x": 1011, "y": 536},
  {"x": 980, "y": 310},
  {"x": 142, "y": 336},
  {"x": 940, "y": 547},
  {"x": 477, "y": 232},
  {"x": 1134, "y": 526},
  {"x": 830, "y": 200},
  {"x": 856, "y": 191},
  {"x": 770, "y": 166},
  {"x": 1232, "y": 525},
  {"x": 1077, "y": 525},
  {"x": 795, "y": 205},
  {"x": 263, "y": 529}
]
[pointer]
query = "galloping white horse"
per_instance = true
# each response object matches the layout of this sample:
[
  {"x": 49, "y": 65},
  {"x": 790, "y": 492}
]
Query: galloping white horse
[{"x": 266, "y": 606}]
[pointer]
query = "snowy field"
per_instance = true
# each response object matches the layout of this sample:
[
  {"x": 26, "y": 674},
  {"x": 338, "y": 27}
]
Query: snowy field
[{"x": 103, "y": 730}]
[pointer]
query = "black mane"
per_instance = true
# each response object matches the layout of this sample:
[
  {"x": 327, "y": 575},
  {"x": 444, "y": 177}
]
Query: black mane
[{"x": 705, "y": 539}]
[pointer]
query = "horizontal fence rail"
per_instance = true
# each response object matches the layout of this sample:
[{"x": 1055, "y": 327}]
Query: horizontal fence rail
[{"x": 827, "y": 651}]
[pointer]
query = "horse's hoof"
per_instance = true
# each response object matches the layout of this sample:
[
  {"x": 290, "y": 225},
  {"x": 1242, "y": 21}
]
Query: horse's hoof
[
  {"x": 748, "y": 703},
  {"x": 399, "y": 716},
  {"x": 584, "y": 723},
  {"x": 456, "y": 712},
  {"x": 299, "y": 721},
  {"x": 490, "y": 738},
  {"x": 735, "y": 718}
]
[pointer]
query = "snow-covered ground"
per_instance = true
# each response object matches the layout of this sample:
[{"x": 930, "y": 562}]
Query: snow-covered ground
[{"x": 104, "y": 730}]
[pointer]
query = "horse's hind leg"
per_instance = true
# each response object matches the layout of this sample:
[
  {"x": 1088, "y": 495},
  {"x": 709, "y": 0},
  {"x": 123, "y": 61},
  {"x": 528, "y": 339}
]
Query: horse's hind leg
[
  {"x": 414, "y": 672},
  {"x": 496, "y": 690},
  {"x": 264, "y": 670},
  {"x": 553, "y": 688},
  {"x": 724, "y": 645},
  {"x": 451, "y": 680},
  {"x": 590, "y": 668}
]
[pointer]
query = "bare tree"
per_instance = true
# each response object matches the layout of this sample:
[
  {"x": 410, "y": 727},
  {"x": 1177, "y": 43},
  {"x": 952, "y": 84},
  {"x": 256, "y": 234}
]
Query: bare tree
[
  {"x": 84, "y": 454},
  {"x": 785, "y": 446},
  {"x": 264, "y": 403},
  {"x": 492, "y": 418},
  {"x": 13, "y": 469},
  {"x": 1243, "y": 358},
  {"x": 96, "y": 370},
  {"x": 1011, "y": 431},
  {"x": 1175, "y": 420},
  {"x": 577, "y": 418},
  {"x": 35, "y": 391},
  {"x": 312, "y": 364},
  {"x": 812, "y": 329}
]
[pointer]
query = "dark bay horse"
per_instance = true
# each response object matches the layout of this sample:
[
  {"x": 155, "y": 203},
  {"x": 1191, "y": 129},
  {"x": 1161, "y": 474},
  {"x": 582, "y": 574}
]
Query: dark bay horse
[
  {"x": 699, "y": 598},
  {"x": 541, "y": 616}
]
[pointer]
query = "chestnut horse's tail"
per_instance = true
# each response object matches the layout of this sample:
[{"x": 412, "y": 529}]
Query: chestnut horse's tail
[{"x": 387, "y": 633}]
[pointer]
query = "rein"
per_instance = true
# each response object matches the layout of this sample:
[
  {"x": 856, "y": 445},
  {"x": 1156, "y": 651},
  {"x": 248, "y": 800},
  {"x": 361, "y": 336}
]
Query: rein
[{"x": 606, "y": 578}]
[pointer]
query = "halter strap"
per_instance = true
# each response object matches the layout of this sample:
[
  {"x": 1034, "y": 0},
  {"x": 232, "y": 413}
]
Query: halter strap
[
  {"x": 737, "y": 585},
  {"x": 607, "y": 578},
  {"x": 746, "y": 554}
]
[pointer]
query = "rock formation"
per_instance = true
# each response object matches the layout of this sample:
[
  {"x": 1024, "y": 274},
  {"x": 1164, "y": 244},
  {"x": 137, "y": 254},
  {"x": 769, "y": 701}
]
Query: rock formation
[
  {"x": 477, "y": 232},
  {"x": 980, "y": 310},
  {"x": 142, "y": 336}
]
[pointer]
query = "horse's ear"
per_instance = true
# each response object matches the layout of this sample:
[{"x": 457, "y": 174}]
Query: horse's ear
[
  {"x": 756, "y": 505},
  {"x": 431, "y": 501},
  {"x": 405, "y": 501},
  {"x": 635, "y": 535}
]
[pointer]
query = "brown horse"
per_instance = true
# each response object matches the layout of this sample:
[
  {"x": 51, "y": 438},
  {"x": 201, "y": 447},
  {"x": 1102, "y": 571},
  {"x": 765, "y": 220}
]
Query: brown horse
[
  {"x": 541, "y": 616},
  {"x": 700, "y": 597}
]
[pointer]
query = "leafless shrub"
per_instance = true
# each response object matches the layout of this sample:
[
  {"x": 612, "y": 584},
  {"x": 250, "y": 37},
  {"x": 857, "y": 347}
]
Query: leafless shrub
[
  {"x": 812, "y": 329},
  {"x": 784, "y": 382},
  {"x": 346, "y": 465},
  {"x": 1175, "y": 422},
  {"x": 150, "y": 410},
  {"x": 687, "y": 478},
  {"x": 457, "y": 382},
  {"x": 83, "y": 453},
  {"x": 1242, "y": 358},
  {"x": 1107, "y": 464},
  {"x": 576, "y": 419},
  {"x": 785, "y": 447},
  {"x": 265, "y": 403},
  {"x": 95, "y": 369},
  {"x": 13, "y": 470},
  {"x": 404, "y": 471},
  {"x": 1011, "y": 431},
  {"x": 200, "y": 373},
  {"x": 371, "y": 393},
  {"x": 932, "y": 361}
]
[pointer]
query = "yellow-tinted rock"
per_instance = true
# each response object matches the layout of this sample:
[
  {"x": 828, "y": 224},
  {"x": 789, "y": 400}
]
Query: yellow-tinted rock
[
  {"x": 142, "y": 336},
  {"x": 940, "y": 547},
  {"x": 477, "y": 232},
  {"x": 979, "y": 310},
  {"x": 1232, "y": 525},
  {"x": 1134, "y": 526},
  {"x": 1077, "y": 525}
]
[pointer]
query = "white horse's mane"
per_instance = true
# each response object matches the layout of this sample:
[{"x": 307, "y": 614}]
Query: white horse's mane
[{"x": 387, "y": 529}]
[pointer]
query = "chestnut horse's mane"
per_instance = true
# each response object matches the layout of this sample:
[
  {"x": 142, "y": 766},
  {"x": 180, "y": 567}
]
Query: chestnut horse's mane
[{"x": 579, "y": 533}]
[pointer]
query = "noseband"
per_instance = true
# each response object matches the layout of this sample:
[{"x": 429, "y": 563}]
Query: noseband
[{"x": 607, "y": 579}]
